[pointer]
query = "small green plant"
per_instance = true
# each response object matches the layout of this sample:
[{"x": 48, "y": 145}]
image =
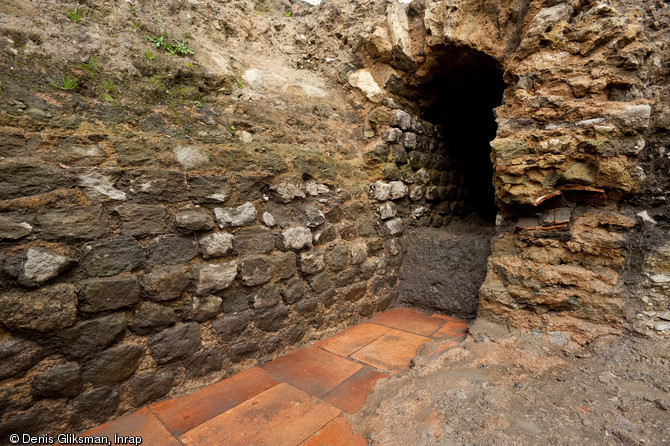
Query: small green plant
[
  {"x": 75, "y": 15},
  {"x": 149, "y": 55},
  {"x": 232, "y": 127},
  {"x": 198, "y": 104},
  {"x": 179, "y": 47},
  {"x": 132, "y": 8},
  {"x": 90, "y": 67},
  {"x": 240, "y": 84},
  {"x": 135, "y": 24},
  {"x": 66, "y": 83},
  {"x": 108, "y": 88},
  {"x": 159, "y": 41},
  {"x": 288, "y": 14}
]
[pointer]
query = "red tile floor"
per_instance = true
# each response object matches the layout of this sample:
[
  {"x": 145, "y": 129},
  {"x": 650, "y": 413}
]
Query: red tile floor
[{"x": 301, "y": 398}]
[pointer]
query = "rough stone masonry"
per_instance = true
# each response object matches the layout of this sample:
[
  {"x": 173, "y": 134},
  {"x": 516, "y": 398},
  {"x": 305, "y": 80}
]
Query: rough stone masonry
[{"x": 168, "y": 221}]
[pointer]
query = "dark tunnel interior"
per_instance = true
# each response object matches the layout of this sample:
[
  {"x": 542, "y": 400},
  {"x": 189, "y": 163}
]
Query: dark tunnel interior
[{"x": 461, "y": 98}]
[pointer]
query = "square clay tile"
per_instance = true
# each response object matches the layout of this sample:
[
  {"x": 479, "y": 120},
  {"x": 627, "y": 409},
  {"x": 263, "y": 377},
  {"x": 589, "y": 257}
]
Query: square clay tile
[
  {"x": 407, "y": 319},
  {"x": 393, "y": 352},
  {"x": 137, "y": 424},
  {"x": 446, "y": 318},
  {"x": 336, "y": 433},
  {"x": 353, "y": 392},
  {"x": 441, "y": 348},
  {"x": 185, "y": 413},
  {"x": 348, "y": 341},
  {"x": 282, "y": 415},
  {"x": 452, "y": 329},
  {"x": 313, "y": 370}
]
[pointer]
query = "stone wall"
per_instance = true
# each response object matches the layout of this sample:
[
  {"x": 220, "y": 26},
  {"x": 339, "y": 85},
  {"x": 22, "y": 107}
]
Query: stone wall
[
  {"x": 419, "y": 172},
  {"x": 170, "y": 221},
  {"x": 137, "y": 266},
  {"x": 578, "y": 133},
  {"x": 164, "y": 225},
  {"x": 125, "y": 281},
  {"x": 424, "y": 188}
]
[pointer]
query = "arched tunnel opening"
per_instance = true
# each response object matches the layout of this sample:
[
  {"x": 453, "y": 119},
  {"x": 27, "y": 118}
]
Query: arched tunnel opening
[
  {"x": 445, "y": 264},
  {"x": 462, "y": 98}
]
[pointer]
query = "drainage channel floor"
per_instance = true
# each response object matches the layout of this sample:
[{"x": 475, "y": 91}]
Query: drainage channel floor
[{"x": 301, "y": 398}]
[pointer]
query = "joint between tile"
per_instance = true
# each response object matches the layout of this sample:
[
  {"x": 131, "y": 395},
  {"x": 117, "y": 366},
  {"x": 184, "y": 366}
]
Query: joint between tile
[{"x": 160, "y": 420}]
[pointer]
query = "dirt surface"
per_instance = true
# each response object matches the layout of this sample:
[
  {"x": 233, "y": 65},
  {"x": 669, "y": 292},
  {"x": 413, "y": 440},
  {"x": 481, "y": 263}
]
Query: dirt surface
[
  {"x": 261, "y": 67},
  {"x": 509, "y": 388},
  {"x": 272, "y": 76}
]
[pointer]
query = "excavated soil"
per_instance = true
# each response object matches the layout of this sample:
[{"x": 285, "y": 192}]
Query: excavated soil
[
  {"x": 502, "y": 387},
  {"x": 498, "y": 386}
]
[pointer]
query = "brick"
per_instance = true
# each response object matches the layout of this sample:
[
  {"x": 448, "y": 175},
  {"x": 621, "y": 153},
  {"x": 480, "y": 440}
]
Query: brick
[
  {"x": 313, "y": 370},
  {"x": 410, "y": 320},
  {"x": 352, "y": 393},
  {"x": 352, "y": 339},
  {"x": 393, "y": 352},
  {"x": 288, "y": 417},
  {"x": 183, "y": 414},
  {"x": 138, "y": 424}
]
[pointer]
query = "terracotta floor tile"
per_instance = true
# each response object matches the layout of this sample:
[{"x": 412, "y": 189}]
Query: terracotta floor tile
[
  {"x": 441, "y": 348},
  {"x": 336, "y": 433},
  {"x": 256, "y": 408},
  {"x": 392, "y": 352},
  {"x": 137, "y": 424},
  {"x": 354, "y": 391},
  {"x": 187, "y": 412},
  {"x": 407, "y": 319},
  {"x": 280, "y": 416},
  {"x": 348, "y": 341},
  {"x": 312, "y": 369},
  {"x": 446, "y": 318},
  {"x": 452, "y": 329}
]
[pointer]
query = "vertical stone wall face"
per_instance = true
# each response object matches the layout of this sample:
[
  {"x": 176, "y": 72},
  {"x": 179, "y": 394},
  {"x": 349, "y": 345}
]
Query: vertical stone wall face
[
  {"x": 576, "y": 163},
  {"x": 580, "y": 119},
  {"x": 421, "y": 179},
  {"x": 157, "y": 244},
  {"x": 126, "y": 282}
]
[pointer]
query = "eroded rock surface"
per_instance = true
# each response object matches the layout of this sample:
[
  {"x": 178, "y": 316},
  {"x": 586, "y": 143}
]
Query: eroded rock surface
[
  {"x": 522, "y": 388},
  {"x": 205, "y": 213}
]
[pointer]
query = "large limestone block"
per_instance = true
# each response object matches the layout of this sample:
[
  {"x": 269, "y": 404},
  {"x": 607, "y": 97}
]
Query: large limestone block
[
  {"x": 379, "y": 44},
  {"x": 440, "y": 20},
  {"x": 296, "y": 238},
  {"x": 363, "y": 80},
  {"x": 398, "y": 25},
  {"x": 214, "y": 277},
  {"x": 549, "y": 16},
  {"x": 242, "y": 215}
]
